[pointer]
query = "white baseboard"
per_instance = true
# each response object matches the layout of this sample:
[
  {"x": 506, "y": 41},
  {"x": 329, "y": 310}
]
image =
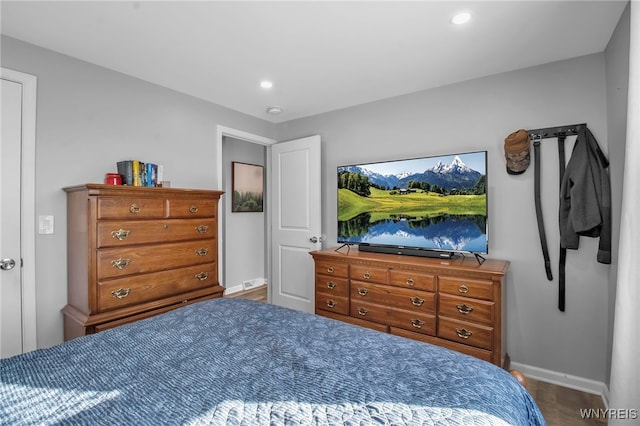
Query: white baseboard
[{"x": 566, "y": 380}]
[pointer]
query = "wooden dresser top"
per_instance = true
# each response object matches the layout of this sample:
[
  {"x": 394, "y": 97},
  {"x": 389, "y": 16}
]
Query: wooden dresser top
[
  {"x": 460, "y": 263},
  {"x": 121, "y": 190}
]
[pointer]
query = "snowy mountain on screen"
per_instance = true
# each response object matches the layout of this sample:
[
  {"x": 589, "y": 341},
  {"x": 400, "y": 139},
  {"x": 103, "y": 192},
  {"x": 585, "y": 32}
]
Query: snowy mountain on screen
[{"x": 456, "y": 175}]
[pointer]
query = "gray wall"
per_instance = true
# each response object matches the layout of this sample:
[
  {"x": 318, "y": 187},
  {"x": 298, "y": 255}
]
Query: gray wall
[
  {"x": 244, "y": 233},
  {"x": 617, "y": 71},
  {"x": 89, "y": 117},
  {"x": 478, "y": 115}
]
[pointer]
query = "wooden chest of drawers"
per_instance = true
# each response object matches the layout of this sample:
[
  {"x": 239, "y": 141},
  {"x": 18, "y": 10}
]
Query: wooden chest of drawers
[
  {"x": 134, "y": 252},
  {"x": 455, "y": 303}
]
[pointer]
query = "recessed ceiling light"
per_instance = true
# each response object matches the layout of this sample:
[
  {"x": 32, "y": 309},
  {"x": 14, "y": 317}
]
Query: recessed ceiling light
[
  {"x": 266, "y": 84},
  {"x": 274, "y": 110},
  {"x": 461, "y": 18}
]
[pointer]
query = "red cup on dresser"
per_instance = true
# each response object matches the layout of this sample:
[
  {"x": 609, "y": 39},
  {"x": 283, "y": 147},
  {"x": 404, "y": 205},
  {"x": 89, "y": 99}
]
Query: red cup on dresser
[{"x": 113, "y": 179}]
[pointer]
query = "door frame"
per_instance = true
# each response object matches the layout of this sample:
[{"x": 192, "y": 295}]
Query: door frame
[
  {"x": 27, "y": 208},
  {"x": 222, "y": 131}
]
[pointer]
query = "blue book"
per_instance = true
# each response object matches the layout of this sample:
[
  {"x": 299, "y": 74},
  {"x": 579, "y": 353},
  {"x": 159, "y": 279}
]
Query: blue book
[{"x": 151, "y": 174}]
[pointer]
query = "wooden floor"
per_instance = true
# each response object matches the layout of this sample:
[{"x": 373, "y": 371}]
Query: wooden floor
[
  {"x": 560, "y": 406},
  {"x": 258, "y": 294}
]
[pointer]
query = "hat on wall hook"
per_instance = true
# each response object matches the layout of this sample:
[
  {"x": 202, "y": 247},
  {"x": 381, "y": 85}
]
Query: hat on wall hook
[{"x": 516, "y": 151}]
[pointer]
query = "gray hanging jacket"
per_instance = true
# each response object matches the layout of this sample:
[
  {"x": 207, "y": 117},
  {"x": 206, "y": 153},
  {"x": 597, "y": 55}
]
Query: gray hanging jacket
[{"x": 585, "y": 197}]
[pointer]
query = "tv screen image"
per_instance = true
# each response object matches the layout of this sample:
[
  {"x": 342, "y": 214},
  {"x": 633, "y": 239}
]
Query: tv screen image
[{"x": 436, "y": 203}]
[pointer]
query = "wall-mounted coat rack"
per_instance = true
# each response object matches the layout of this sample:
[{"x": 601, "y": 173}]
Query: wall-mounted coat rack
[
  {"x": 536, "y": 135},
  {"x": 554, "y": 132}
]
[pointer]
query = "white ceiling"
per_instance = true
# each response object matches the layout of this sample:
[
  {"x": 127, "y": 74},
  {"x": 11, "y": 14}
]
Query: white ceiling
[{"x": 322, "y": 55}]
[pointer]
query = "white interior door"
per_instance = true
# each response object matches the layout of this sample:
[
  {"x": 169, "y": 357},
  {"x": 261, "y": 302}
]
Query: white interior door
[
  {"x": 17, "y": 239},
  {"x": 10, "y": 256},
  {"x": 295, "y": 222}
]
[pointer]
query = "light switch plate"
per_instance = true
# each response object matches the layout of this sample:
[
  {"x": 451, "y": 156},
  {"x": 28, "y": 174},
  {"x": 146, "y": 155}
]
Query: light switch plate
[{"x": 45, "y": 225}]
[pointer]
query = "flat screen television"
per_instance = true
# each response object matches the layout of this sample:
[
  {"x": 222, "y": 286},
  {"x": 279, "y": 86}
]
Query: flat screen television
[{"x": 432, "y": 206}]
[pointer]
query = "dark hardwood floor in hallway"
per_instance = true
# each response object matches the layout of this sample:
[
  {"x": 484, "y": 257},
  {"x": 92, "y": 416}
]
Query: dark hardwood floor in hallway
[{"x": 562, "y": 406}]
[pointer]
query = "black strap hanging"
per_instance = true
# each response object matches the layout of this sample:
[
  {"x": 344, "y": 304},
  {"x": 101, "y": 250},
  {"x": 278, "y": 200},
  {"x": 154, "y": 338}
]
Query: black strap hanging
[
  {"x": 563, "y": 251},
  {"x": 541, "y": 232}
]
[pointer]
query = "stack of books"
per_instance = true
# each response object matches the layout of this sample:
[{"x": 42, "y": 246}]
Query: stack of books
[{"x": 139, "y": 173}]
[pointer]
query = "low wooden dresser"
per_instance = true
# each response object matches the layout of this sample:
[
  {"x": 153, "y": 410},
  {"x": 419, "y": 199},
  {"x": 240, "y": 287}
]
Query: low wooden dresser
[
  {"x": 454, "y": 303},
  {"x": 135, "y": 252}
]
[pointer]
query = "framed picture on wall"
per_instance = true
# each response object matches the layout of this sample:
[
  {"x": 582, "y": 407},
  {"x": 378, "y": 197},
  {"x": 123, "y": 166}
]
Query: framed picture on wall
[{"x": 247, "y": 185}]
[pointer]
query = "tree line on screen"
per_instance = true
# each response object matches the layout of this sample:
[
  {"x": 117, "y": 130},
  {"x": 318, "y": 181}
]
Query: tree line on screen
[{"x": 361, "y": 185}]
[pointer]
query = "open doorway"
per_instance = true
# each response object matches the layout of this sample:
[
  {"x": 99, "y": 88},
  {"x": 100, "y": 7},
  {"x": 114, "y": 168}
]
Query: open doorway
[
  {"x": 244, "y": 236},
  {"x": 244, "y": 259}
]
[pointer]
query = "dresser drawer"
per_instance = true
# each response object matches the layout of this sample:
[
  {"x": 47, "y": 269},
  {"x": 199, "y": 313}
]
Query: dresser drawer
[
  {"x": 466, "y": 309},
  {"x": 465, "y": 332},
  {"x": 383, "y": 328},
  {"x": 338, "y": 287},
  {"x": 331, "y": 303},
  {"x": 336, "y": 269},
  {"x": 411, "y": 279},
  {"x": 149, "y": 314},
  {"x": 393, "y": 297},
  {"x": 419, "y": 322},
  {"x": 183, "y": 208},
  {"x": 130, "y": 208},
  {"x": 118, "y": 262},
  {"x": 121, "y": 292},
  {"x": 465, "y": 349},
  {"x": 369, "y": 311},
  {"x": 121, "y": 233},
  {"x": 422, "y": 323},
  {"x": 478, "y": 289},
  {"x": 369, "y": 273}
]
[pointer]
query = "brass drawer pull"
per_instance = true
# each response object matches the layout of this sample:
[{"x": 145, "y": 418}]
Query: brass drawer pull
[
  {"x": 362, "y": 311},
  {"x": 330, "y": 270},
  {"x": 331, "y": 285},
  {"x": 202, "y": 252},
  {"x": 417, "y": 323},
  {"x": 121, "y": 293},
  {"x": 410, "y": 282},
  {"x": 331, "y": 303},
  {"x": 363, "y": 291},
  {"x": 366, "y": 276},
  {"x": 193, "y": 209},
  {"x": 463, "y": 333},
  {"x": 463, "y": 289},
  {"x": 134, "y": 208},
  {"x": 464, "y": 309},
  {"x": 120, "y": 263},
  {"x": 416, "y": 301},
  {"x": 202, "y": 229},
  {"x": 121, "y": 234},
  {"x": 202, "y": 276}
]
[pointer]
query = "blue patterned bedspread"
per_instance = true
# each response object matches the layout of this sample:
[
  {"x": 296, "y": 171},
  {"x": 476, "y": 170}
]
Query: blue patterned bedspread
[{"x": 238, "y": 362}]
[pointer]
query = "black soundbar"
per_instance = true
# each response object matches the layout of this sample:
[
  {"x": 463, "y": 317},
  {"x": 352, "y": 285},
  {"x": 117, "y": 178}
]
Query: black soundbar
[{"x": 408, "y": 251}]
